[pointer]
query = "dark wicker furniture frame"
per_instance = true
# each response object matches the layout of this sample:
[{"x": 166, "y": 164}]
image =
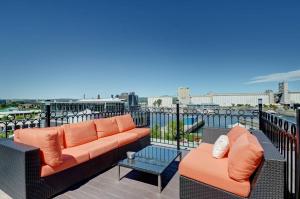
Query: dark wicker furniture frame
[
  {"x": 20, "y": 169},
  {"x": 266, "y": 183}
]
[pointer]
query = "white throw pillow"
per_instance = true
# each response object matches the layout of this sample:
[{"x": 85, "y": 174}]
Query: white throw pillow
[{"x": 221, "y": 147}]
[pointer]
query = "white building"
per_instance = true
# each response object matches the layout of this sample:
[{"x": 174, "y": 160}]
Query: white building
[
  {"x": 102, "y": 105},
  {"x": 166, "y": 101},
  {"x": 294, "y": 97},
  {"x": 183, "y": 94},
  {"x": 229, "y": 99}
]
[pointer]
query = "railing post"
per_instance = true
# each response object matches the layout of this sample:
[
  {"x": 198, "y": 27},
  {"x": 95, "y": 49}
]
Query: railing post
[
  {"x": 48, "y": 113},
  {"x": 297, "y": 185},
  {"x": 177, "y": 124},
  {"x": 260, "y": 113},
  {"x": 148, "y": 118}
]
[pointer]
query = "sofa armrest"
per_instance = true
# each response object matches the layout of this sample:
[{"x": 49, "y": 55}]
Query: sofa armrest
[
  {"x": 268, "y": 180},
  {"x": 19, "y": 168},
  {"x": 210, "y": 135}
]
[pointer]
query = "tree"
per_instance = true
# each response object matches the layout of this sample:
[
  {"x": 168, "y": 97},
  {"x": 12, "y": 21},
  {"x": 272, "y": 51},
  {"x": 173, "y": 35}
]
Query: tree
[
  {"x": 273, "y": 107},
  {"x": 171, "y": 132},
  {"x": 154, "y": 103},
  {"x": 159, "y": 101},
  {"x": 155, "y": 131}
]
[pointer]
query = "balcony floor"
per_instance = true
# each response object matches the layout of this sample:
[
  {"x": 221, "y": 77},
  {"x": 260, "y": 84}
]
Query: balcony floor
[{"x": 133, "y": 185}]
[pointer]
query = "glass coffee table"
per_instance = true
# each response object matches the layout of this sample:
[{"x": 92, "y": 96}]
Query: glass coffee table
[{"x": 151, "y": 159}]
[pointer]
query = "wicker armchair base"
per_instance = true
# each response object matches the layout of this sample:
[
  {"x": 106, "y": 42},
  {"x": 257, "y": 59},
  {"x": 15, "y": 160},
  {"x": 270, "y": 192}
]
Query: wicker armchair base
[
  {"x": 267, "y": 182},
  {"x": 190, "y": 189}
]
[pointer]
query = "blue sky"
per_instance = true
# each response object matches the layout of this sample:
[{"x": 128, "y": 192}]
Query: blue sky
[{"x": 65, "y": 48}]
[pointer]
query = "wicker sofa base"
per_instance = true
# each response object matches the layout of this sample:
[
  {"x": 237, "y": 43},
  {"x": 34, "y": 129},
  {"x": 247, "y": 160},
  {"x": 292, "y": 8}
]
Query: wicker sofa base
[
  {"x": 190, "y": 189},
  {"x": 36, "y": 187}
]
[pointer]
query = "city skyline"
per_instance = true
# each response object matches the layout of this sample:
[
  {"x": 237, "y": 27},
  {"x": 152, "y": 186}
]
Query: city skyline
[{"x": 54, "y": 50}]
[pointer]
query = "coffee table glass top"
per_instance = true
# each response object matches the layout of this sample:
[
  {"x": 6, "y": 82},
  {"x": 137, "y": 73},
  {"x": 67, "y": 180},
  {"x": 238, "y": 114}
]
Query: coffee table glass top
[{"x": 151, "y": 159}]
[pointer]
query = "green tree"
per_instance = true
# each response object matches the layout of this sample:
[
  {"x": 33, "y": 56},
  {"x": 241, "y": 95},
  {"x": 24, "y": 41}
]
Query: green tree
[
  {"x": 159, "y": 101},
  {"x": 273, "y": 107},
  {"x": 154, "y": 103},
  {"x": 155, "y": 131},
  {"x": 171, "y": 130}
]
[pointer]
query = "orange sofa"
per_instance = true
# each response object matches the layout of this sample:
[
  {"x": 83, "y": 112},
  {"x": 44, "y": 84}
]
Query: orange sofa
[
  {"x": 203, "y": 176},
  {"x": 53, "y": 159}
]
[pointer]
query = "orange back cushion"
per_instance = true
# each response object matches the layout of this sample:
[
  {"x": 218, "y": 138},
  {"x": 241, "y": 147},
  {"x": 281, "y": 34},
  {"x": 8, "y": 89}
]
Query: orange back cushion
[
  {"x": 45, "y": 139},
  {"x": 59, "y": 129},
  {"x": 61, "y": 135},
  {"x": 235, "y": 133},
  {"x": 106, "y": 127},
  {"x": 79, "y": 133},
  {"x": 125, "y": 122},
  {"x": 244, "y": 157}
]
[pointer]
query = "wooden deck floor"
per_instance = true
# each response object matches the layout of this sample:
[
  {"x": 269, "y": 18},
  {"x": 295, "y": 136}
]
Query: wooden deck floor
[{"x": 133, "y": 185}]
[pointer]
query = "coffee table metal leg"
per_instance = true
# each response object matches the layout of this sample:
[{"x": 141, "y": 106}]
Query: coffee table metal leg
[
  {"x": 159, "y": 183},
  {"x": 119, "y": 172}
]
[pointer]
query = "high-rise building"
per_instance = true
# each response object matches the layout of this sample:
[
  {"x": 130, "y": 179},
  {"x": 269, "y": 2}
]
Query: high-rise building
[
  {"x": 284, "y": 92},
  {"x": 133, "y": 101}
]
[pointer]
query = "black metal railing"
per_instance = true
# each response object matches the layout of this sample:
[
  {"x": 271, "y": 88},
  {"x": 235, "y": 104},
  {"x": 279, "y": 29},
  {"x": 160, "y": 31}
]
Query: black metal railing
[
  {"x": 284, "y": 135},
  {"x": 168, "y": 124},
  {"x": 178, "y": 126}
]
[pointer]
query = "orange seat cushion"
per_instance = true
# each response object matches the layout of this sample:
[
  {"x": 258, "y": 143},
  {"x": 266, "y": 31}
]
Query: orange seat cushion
[
  {"x": 244, "y": 157},
  {"x": 199, "y": 165},
  {"x": 98, "y": 147},
  {"x": 46, "y": 140},
  {"x": 140, "y": 132},
  {"x": 125, "y": 122},
  {"x": 79, "y": 133},
  {"x": 71, "y": 157},
  {"x": 106, "y": 127},
  {"x": 122, "y": 138},
  {"x": 235, "y": 133},
  {"x": 206, "y": 147}
]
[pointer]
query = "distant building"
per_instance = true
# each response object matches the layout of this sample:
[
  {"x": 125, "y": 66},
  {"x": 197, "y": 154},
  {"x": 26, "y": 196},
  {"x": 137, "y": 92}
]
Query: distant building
[
  {"x": 166, "y": 101},
  {"x": 2, "y": 101},
  {"x": 123, "y": 96},
  {"x": 131, "y": 100},
  {"x": 294, "y": 98},
  {"x": 183, "y": 94},
  {"x": 229, "y": 99},
  {"x": 101, "y": 105},
  {"x": 283, "y": 90},
  {"x": 285, "y": 97}
]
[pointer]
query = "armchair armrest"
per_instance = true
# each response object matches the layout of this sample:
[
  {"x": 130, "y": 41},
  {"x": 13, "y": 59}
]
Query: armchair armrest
[
  {"x": 19, "y": 168},
  {"x": 210, "y": 135}
]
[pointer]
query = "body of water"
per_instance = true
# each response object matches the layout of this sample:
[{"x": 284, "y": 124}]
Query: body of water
[{"x": 288, "y": 118}]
